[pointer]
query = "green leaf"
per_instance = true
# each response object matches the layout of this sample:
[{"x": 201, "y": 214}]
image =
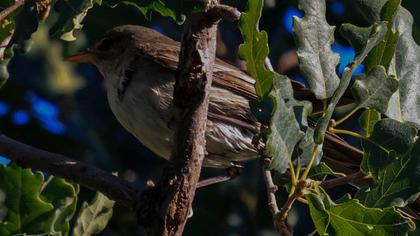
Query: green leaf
[
  {"x": 255, "y": 50},
  {"x": 351, "y": 218},
  {"x": 71, "y": 14},
  {"x": 94, "y": 217},
  {"x": 377, "y": 34},
  {"x": 383, "y": 53},
  {"x": 314, "y": 36},
  {"x": 355, "y": 35},
  {"x": 368, "y": 120},
  {"x": 283, "y": 133},
  {"x": 375, "y": 90},
  {"x": 15, "y": 32},
  {"x": 404, "y": 104},
  {"x": 320, "y": 172},
  {"x": 25, "y": 207},
  {"x": 170, "y": 8},
  {"x": 407, "y": 67},
  {"x": 305, "y": 148},
  {"x": 63, "y": 196},
  {"x": 392, "y": 158}
]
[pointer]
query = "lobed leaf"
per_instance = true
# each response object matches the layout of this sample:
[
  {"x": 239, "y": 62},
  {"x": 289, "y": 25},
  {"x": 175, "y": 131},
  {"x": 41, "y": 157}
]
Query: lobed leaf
[
  {"x": 383, "y": 53},
  {"x": 375, "y": 90},
  {"x": 94, "y": 217},
  {"x": 405, "y": 103},
  {"x": 170, "y": 8},
  {"x": 392, "y": 158},
  {"x": 314, "y": 36},
  {"x": 368, "y": 120},
  {"x": 283, "y": 133},
  {"x": 63, "y": 196},
  {"x": 32, "y": 206},
  {"x": 255, "y": 50},
  {"x": 351, "y": 218},
  {"x": 71, "y": 14},
  {"x": 377, "y": 34},
  {"x": 24, "y": 206},
  {"x": 407, "y": 67}
]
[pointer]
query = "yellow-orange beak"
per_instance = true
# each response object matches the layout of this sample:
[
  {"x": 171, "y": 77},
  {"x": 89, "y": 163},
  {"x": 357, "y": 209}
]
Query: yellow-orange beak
[{"x": 81, "y": 57}]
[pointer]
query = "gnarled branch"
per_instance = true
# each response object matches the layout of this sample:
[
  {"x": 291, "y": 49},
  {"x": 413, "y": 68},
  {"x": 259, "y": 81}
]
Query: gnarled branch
[{"x": 61, "y": 166}]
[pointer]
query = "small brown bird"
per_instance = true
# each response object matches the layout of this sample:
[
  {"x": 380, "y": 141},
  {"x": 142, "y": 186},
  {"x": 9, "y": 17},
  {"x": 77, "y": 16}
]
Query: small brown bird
[{"x": 138, "y": 65}]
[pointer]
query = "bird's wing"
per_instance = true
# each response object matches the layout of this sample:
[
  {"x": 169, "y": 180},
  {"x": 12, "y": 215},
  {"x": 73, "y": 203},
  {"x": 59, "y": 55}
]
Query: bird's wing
[{"x": 232, "y": 78}]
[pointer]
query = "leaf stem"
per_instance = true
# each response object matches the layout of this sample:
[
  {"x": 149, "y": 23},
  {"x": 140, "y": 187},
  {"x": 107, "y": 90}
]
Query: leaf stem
[
  {"x": 298, "y": 168},
  {"x": 292, "y": 172},
  {"x": 302, "y": 200},
  {"x": 311, "y": 162},
  {"x": 347, "y": 132},
  {"x": 347, "y": 116}
]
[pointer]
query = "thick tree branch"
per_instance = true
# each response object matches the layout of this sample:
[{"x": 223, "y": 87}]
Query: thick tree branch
[
  {"x": 61, "y": 166},
  {"x": 164, "y": 209},
  {"x": 221, "y": 11}
]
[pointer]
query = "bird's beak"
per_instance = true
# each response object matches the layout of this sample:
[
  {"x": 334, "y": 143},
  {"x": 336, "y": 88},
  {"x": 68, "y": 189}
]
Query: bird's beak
[{"x": 81, "y": 57}]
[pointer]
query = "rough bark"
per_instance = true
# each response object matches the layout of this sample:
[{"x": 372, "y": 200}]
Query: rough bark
[
  {"x": 61, "y": 166},
  {"x": 164, "y": 209}
]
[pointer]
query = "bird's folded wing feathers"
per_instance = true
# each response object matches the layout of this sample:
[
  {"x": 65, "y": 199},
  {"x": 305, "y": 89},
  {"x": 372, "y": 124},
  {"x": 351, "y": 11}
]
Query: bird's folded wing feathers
[{"x": 232, "y": 78}]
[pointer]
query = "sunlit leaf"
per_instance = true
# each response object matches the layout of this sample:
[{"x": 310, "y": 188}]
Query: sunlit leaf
[
  {"x": 355, "y": 35},
  {"x": 255, "y": 50},
  {"x": 368, "y": 120},
  {"x": 377, "y": 34},
  {"x": 404, "y": 104},
  {"x": 174, "y": 9},
  {"x": 351, "y": 218},
  {"x": 383, "y": 53},
  {"x": 25, "y": 207},
  {"x": 375, "y": 90},
  {"x": 63, "y": 196},
  {"x": 71, "y": 14},
  {"x": 407, "y": 67},
  {"x": 314, "y": 37},
  {"x": 94, "y": 217},
  {"x": 31, "y": 206}
]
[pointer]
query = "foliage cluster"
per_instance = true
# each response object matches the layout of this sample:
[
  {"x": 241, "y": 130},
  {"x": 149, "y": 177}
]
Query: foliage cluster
[{"x": 387, "y": 93}]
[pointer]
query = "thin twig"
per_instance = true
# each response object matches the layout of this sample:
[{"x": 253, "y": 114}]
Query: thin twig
[
  {"x": 61, "y": 166},
  {"x": 344, "y": 180},
  {"x": 10, "y": 9},
  {"x": 271, "y": 189}
]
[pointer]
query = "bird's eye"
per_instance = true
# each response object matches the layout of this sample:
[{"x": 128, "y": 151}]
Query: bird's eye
[{"x": 106, "y": 44}]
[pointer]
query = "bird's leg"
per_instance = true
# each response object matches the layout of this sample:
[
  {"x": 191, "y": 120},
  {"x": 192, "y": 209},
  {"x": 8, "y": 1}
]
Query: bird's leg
[{"x": 231, "y": 173}]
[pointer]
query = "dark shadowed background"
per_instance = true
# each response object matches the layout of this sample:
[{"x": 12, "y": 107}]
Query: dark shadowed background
[{"x": 60, "y": 107}]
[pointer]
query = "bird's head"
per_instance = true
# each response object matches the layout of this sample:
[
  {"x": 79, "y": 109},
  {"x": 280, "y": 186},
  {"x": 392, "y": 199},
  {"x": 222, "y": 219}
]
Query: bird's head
[{"x": 118, "y": 46}]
